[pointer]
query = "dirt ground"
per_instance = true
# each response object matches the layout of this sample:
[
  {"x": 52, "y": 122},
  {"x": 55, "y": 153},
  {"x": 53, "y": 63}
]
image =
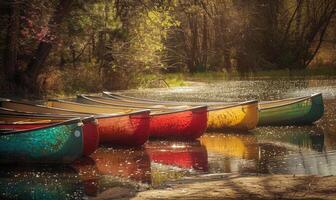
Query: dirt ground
[{"x": 228, "y": 186}]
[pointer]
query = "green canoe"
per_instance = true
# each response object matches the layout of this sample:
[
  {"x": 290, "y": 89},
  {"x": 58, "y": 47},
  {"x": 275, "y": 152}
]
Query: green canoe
[
  {"x": 59, "y": 143},
  {"x": 294, "y": 111}
]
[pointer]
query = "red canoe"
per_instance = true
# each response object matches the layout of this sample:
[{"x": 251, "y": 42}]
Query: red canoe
[
  {"x": 187, "y": 155},
  {"x": 189, "y": 123},
  {"x": 185, "y": 124},
  {"x": 127, "y": 129},
  {"x": 124, "y": 129},
  {"x": 90, "y": 127}
]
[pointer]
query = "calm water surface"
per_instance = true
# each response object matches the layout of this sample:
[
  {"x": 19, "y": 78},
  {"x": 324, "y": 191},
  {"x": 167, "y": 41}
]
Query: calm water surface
[{"x": 266, "y": 150}]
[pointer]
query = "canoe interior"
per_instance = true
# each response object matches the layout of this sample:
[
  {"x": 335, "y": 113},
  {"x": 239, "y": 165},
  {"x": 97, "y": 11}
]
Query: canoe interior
[
  {"x": 277, "y": 103},
  {"x": 30, "y": 108},
  {"x": 148, "y": 105},
  {"x": 106, "y": 108},
  {"x": 84, "y": 108}
]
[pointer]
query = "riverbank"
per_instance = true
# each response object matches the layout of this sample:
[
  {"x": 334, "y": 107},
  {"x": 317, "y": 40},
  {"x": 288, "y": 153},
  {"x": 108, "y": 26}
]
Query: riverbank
[{"x": 231, "y": 186}]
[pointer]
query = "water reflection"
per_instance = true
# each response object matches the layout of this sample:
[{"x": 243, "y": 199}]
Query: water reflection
[
  {"x": 88, "y": 174},
  {"x": 176, "y": 159},
  {"x": 133, "y": 164},
  {"x": 231, "y": 152},
  {"x": 187, "y": 155},
  {"x": 40, "y": 183},
  {"x": 281, "y": 150},
  {"x": 307, "y": 137}
]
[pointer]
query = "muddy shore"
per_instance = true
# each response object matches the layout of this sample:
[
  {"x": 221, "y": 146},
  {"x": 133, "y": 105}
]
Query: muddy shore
[{"x": 230, "y": 186}]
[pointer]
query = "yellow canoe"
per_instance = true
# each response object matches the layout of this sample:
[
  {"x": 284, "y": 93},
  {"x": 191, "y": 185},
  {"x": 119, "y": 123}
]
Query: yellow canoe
[{"x": 242, "y": 116}]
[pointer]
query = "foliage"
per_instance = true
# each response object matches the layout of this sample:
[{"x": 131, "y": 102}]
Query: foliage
[{"x": 86, "y": 46}]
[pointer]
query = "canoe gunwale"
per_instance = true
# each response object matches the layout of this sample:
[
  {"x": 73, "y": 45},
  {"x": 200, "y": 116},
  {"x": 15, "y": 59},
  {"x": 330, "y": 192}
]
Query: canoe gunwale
[
  {"x": 75, "y": 113},
  {"x": 103, "y": 116},
  {"x": 88, "y": 98},
  {"x": 295, "y": 100},
  {"x": 292, "y": 98},
  {"x": 192, "y": 109},
  {"x": 42, "y": 106},
  {"x": 299, "y": 99},
  {"x": 246, "y": 103},
  {"x": 222, "y": 105},
  {"x": 84, "y": 119},
  {"x": 67, "y": 122}
]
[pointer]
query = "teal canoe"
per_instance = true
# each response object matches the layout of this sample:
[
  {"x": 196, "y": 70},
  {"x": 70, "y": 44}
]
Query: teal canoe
[
  {"x": 294, "y": 111},
  {"x": 60, "y": 143}
]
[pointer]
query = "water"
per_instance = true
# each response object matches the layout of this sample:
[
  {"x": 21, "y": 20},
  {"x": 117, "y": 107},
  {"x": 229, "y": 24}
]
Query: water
[{"x": 266, "y": 150}]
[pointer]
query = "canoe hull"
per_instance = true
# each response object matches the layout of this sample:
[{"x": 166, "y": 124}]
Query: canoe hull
[
  {"x": 303, "y": 112},
  {"x": 90, "y": 137},
  {"x": 126, "y": 130},
  {"x": 188, "y": 124},
  {"x": 60, "y": 144},
  {"x": 90, "y": 130},
  {"x": 240, "y": 117}
]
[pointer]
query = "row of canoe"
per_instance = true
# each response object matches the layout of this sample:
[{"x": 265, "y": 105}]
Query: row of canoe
[{"x": 61, "y": 131}]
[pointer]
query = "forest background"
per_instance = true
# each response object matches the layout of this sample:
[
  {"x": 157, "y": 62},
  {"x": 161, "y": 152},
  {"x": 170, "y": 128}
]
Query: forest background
[{"x": 69, "y": 46}]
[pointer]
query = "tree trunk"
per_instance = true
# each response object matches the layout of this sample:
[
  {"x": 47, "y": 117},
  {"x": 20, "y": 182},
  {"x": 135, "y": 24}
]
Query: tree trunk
[
  {"x": 205, "y": 43},
  {"x": 194, "y": 43},
  {"x": 11, "y": 52},
  {"x": 36, "y": 64}
]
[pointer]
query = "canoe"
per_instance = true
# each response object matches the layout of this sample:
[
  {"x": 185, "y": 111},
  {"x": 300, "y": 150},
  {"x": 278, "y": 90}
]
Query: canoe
[
  {"x": 291, "y": 111},
  {"x": 59, "y": 143},
  {"x": 125, "y": 129},
  {"x": 25, "y": 121},
  {"x": 189, "y": 123},
  {"x": 239, "y": 116}
]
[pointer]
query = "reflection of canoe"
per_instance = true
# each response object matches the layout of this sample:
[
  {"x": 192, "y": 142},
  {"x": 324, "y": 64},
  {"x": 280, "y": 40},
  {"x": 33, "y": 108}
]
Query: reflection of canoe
[
  {"x": 293, "y": 111},
  {"x": 242, "y": 116},
  {"x": 24, "y": 121},
  {"x": 187, "y": 123},
  {"x": 190, "y": 155},
  {"x": 88, "y": 174},
  {"x": 119, "y": 129},
  {"x": 57, "y": 143},
  {"x": 126, "y": 163},
  {"x": 303, "y": 138},
  {"x": 239, "y": 146},
  {"x": 40, "y": 183}
]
